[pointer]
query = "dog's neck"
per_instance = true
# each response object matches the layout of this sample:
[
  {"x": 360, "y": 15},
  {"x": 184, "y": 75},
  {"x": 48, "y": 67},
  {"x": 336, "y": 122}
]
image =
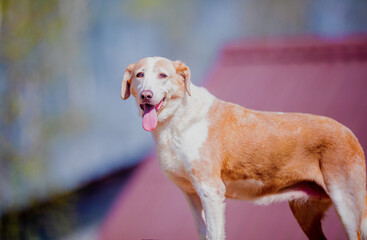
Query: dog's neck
[{"x": 189, "y": 110}]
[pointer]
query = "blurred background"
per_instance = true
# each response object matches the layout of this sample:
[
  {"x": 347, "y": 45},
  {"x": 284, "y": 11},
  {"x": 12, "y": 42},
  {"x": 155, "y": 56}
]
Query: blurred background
[{"x": 71, "y": 150}]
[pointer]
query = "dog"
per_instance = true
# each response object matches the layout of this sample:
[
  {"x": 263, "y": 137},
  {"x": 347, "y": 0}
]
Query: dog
[{"x": 212, "y": 150}]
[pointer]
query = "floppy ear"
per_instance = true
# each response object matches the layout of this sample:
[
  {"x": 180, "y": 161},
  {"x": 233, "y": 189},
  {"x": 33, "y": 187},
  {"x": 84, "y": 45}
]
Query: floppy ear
[
  {"x": 126, "y": 82},
  {"x": 183, "y": 71}
]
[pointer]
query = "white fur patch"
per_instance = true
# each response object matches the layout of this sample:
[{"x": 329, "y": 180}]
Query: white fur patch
[
  {"x": 193, "y": 138},
  {"x": 299, "y": 129},
  {"x": 347, "y": 210},
  {"x": 249, "y": 190},
  {"x": 179, "y": 141},
  {"x": 287, "y": 196},
  {"x": 213, "y": 203},
  {"x": 364, "y": 229}
]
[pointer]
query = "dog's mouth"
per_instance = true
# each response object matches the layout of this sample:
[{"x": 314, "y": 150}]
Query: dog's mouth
[{"x": 150, "y": 118}]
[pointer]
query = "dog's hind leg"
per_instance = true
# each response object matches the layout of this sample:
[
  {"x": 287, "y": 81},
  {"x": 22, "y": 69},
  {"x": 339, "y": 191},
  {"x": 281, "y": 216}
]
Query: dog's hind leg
[
  {"x": 346, "y": 186},
  {"x": 364, "y": 221},
  {"x": 349, "y": 207},
  {"x": 309, "y": 215}
]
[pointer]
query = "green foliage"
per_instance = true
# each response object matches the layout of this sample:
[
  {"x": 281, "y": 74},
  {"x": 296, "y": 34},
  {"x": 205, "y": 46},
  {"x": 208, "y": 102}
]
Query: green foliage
[
  {"x": 28, "y": 30},
  {"x": 25, "y": 24}
]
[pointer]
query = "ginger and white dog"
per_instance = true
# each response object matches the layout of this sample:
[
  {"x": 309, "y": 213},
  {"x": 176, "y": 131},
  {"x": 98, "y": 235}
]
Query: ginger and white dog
[{"x": 212, "y": 149}]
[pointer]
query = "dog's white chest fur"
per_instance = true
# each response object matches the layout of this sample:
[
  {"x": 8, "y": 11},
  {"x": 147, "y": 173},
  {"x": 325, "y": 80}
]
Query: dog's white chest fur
[{"x": 180, "y": 140}]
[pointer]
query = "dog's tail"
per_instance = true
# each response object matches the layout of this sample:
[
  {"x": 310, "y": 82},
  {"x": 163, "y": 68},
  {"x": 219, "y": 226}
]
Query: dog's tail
[{"x": 364, "y": 221}]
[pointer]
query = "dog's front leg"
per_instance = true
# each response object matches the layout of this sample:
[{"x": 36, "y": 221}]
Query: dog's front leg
[
  {"x": 198, "y": 213},
  {"x": 212, "y": 198}
]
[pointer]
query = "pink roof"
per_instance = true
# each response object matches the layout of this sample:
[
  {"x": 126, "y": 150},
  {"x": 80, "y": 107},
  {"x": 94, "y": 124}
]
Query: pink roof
[{"x": 327, "y": 77}]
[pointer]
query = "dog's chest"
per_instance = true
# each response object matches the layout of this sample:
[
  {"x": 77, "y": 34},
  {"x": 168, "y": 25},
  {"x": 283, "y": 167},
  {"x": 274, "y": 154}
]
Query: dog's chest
[
  {"x": 168, "y": 160},
  {"x": 172, "y": 158},
  {"x": 177, "y": 150}
]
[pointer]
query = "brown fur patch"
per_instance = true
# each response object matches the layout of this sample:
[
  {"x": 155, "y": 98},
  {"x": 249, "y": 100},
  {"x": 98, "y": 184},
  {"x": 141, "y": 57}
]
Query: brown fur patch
[
  {"x": 184, "y": 75},
  {"x": 126, "y": 82},
  {"x": 280, "y": 150}
]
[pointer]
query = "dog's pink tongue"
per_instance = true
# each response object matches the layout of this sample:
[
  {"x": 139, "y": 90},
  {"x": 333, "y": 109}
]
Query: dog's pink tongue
[{"x": 149, "y": 117}]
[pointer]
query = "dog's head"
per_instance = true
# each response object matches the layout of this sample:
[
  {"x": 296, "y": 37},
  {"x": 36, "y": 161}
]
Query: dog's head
[{"x": 158, "y": 85}]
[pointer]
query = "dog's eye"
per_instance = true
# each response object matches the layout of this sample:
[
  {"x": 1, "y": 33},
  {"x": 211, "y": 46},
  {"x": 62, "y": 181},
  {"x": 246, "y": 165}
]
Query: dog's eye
[
  {"x": 162, "y": 75},
  {"x": 140, "y": 75}
]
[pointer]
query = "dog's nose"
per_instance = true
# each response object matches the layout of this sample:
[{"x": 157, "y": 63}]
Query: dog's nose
[{"x": 146, "y": 95}]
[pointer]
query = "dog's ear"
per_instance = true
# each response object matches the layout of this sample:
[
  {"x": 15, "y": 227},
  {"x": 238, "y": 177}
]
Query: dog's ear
[
  {"x": 126, "y": 82},
  {"x": 184, "y": 72}
]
